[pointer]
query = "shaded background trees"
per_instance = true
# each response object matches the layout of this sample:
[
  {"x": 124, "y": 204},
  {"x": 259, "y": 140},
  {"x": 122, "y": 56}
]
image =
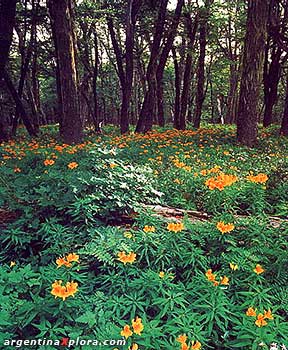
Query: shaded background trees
[{"x": 139, "y": 63}]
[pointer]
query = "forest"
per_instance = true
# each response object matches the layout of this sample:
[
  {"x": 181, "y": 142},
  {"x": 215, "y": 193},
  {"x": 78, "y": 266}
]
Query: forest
[{"x": 144, "y": 174}]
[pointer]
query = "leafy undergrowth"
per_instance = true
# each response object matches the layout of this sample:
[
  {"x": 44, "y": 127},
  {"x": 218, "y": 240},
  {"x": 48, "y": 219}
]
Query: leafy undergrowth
[{"x": 78, "y": 218}]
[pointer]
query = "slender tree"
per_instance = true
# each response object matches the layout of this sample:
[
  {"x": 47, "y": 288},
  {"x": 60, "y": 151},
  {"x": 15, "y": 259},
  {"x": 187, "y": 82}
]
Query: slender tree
[
  {"x": 253, "y": 59},
  {"x": 62, "y": 24},
  {"x": 204, "y": 14}
]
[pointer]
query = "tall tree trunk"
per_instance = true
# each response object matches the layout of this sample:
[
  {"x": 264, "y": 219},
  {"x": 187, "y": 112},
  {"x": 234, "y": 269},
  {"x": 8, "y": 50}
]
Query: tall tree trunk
[
  {"x": 19, "y": 104},
  {"x": 7, "y": 21},
  {"x": 177, "y": 91},
  {"x": 95, "y": 77},
  {"x": 145, "y": 120},
  {"x": 126, "y": 73},
  {"x": 284, "y": 124},
  {"x": 162, "y": 62},
  {"x": 272, "y": 74},
  {"x": 253, "y": 59},
  {"x": 61, "y": 20},
  {"x": 230, "y": 116},
  {"x": 191, "y": 31},
  {"x": 200, "y": 95}
]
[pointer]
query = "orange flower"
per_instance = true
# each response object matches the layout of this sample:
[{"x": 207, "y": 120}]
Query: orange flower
[
  {"x": 112, "y": 165},
  {"x": 72, "y": 257},
  {"x": 258, "y": 269},
  {"x": 137, "y": 325},
  {"x": 72, "y": 165},
  {"x": 259, "y": 179},
  {"x": 126, "y": 332},
  {"x": 48, "y": 162},
  {"x": 126, "y": 258},
  {"x": 220, "y": 182},
  {"x": 210, "y": 276},
  {"x": 149, "y": 228},
  {"x": 251, "y": 312},
  {"x": 268, "y": 314},
  {"x": 182, "y": 338},
  {"x": 62, "y": 262},
  {"x": 196, "y": 345},
  {"x": 224, "y": 281},
  {"x": 184, "y": 346},
  {"x": 224, "y": 228},
  {"x": 64, "y": 291},
  {"x": 175, "y": 227},
  {"x": 134, "y": 346},
  {"x": 260, "y": 322},
  {"x": 17, "y": 170}
]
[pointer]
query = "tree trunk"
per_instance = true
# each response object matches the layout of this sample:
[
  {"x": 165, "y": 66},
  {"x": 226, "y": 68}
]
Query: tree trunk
[
  {"x": 162, "y": 62},
  {"x": 145, "y": 120},
  {"x": 271, "y": 80},
  {"x": 95, "y": 77},
  {"x": 284, "y": 124},
  {"x": 200, "y": 95},
  {"x": 191, "y": 31},
  {"x": 19, "y": 104},
  {"x": 230, "y": 115},
  {"x": 7, "y": 21},
  {"x": 177, "y": 91},
  {"x": 61, "y": 20},
  {"x": 253, "y": 59}
]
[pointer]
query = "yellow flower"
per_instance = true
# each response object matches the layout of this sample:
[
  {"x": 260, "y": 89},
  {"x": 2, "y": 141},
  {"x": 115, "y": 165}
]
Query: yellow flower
[
  {"x": 224, "y": 281},
  {"x": 134, "y": 346},
  {"x": 112, "y": 165},
  {"x": 126, "y": 332},
  {"x": 72, "y": 165},
  {"x": 260, "y": 322},
  {"x": 233, "y": 267},
  {"x": 148, "y": 228},
  {"x": 161, "y": 274},
  {"x": 224, "y": 228},
  {"x": 137, "y": 325},
  {"x": 251, "y": 312},
  {"x": 196, "y": 345},
  {"x": 258, "y": 269},
  {"x": 175, "y": 227},
  {"x": 128, "y": 235},
  {"x": 126, "y": 258},
  {"x": 12, "y": 263}
]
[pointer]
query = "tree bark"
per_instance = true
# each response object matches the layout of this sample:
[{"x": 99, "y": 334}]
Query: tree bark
[
  {"x": 61, "y": 20},
  {"x": 284, "y": 124},
  {"x": 177, "y": 91},
  {"x": 253, "y": 59},
  {"x": 200, "y": 95},
  {"x": 163, "y": 59},
  {"x": 19, "y": 104},
  {"x": 191, "y": 31},
  {"x": 145, "y": 120},
  {"x": 7, "y": 21}
]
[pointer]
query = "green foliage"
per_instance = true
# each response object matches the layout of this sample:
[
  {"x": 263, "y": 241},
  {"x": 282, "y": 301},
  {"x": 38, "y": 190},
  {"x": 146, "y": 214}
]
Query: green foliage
[{"x": 96, "y": 208}]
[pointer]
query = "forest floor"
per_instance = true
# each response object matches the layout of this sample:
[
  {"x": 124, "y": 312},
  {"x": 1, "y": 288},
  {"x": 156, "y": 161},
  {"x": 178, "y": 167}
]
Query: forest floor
[{"x": 169, "y": 240}]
